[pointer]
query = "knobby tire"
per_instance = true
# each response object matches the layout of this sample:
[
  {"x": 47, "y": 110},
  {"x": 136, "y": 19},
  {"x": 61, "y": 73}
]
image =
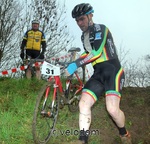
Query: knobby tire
[{"x": 43, "y": 126}]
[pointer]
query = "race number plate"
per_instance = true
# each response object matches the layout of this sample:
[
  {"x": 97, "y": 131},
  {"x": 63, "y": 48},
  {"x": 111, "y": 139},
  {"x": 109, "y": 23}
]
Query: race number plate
[{"x": 50, "y": 70}]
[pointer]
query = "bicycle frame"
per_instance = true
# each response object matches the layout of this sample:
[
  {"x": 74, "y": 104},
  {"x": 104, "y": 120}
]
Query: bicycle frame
[
  {"x": 58, "y": 85},
  {"x": 79, "y": 87}
]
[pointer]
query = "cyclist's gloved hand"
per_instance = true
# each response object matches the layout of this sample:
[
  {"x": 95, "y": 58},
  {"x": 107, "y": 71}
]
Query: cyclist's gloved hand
[
  {"x": 71, "y": 68},
  {"x": 22, "y": 55},
  {"x": 41, "y": 56}
]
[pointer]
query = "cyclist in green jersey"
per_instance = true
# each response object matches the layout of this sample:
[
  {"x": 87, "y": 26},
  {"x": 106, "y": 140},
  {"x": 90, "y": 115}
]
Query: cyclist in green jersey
[{"x": 108, "y": 74}]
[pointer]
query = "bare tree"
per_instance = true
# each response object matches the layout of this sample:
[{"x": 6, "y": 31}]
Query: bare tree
[
  {"x": 122, "y": 54},
  {"x": 52, "y": 20},
  {"x": 10, "y": 12},
  {"x": 137, "y": 73},
  {"x": 147, "y": 57}
]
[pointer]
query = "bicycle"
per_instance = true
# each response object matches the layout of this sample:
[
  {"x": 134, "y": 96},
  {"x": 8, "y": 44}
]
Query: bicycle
[
  {"x": 31, "y": 65},
  {"x": 52, "y": 97}
]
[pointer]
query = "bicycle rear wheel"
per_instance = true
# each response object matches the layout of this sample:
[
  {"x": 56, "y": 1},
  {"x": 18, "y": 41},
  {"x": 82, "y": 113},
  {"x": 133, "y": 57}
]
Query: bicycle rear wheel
[
  {"x": 74, "y": 96},
  {"x": 45, "y": 114}
]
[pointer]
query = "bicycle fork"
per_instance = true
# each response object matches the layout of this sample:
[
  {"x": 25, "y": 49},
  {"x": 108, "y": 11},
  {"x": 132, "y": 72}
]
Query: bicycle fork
[{"x": 51, "y": 106}]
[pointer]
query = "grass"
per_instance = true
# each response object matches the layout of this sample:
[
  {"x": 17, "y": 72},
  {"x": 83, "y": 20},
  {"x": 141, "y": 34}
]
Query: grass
[{"x": 17, "y": 100}]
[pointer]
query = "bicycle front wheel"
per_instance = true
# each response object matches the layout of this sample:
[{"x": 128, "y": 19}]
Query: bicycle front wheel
[{"x": 45, "y": 114}]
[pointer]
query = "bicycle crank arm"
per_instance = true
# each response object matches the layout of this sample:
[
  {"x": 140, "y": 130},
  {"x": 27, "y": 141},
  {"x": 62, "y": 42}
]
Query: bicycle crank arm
[
  {"x": 63, "y": 100},
  {"x": 74, "y": 98},
  {"x": 46, "y": 114}
]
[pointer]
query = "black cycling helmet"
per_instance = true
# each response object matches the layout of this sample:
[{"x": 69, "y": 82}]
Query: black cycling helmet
[
  {"x": 35, "y": 22},
  {"x": 82, "y": 9}
]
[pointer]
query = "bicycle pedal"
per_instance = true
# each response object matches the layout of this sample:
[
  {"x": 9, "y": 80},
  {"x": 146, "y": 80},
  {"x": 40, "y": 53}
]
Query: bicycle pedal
[{"x": 46, "y": 114}]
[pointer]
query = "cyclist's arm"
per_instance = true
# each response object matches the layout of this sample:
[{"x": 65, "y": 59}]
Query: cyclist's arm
[
  {"x": 97, "y": 49},
  {"x": 23, "y": 44},
  {"x": 43, "y": 46},
  {"x": 43, "y": 43},
  {"x": 24, "y": 41}
]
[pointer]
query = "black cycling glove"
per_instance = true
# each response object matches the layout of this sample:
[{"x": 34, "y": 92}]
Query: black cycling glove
[
  {"x": 41, "y": 56},
  {"x": 22, "y": 55}
]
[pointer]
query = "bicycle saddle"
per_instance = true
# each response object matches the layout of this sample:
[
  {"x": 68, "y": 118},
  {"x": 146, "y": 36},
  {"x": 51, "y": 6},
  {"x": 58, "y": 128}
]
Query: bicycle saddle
[{"x": 76, "y": 49}]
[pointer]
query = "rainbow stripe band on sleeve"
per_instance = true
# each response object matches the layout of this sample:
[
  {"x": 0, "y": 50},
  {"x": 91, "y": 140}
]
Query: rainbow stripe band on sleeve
[
  {"x": 90, "y": 93},
  {"x": 113, "y": 93}
]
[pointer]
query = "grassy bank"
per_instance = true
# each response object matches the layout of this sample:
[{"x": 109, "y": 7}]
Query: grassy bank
[{"x": 17, "y": 100}]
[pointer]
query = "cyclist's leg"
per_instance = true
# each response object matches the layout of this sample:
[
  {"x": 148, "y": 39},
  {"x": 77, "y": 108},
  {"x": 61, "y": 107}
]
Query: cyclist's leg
[
  {"x": 85, "y": 105},
  {"x": 113, "y": 108},
  {"x": 35, "y": 54},
  {"x": 38, "y": 73},
  {"x": 90, "y": 93},
  {"x": 113, "y": 88},
  {"x": 28, "y": 71}
]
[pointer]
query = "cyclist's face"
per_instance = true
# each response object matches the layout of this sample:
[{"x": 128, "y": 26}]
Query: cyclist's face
[
  {"x": 35, "y": 26},
  {"x": 83, "y": 22}
]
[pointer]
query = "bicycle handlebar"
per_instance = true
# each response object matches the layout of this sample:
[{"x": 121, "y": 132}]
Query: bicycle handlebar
[{"x": 62, "y": 65}]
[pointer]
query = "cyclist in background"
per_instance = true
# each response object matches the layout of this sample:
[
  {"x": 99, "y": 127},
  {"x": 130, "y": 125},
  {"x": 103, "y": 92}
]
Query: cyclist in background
[
  {"x": 32, "y": 42},
  {"x": 108, "y": 74}
]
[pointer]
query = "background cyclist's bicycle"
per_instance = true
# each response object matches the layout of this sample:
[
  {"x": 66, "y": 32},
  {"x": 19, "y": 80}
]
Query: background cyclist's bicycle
[{"x": 33, "y": 65}]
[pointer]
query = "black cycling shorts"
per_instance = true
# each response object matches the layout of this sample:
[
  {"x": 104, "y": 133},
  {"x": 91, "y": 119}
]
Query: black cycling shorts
[
  {"x": 32, "y": 53},
  {"x": 108, "y": 77}
]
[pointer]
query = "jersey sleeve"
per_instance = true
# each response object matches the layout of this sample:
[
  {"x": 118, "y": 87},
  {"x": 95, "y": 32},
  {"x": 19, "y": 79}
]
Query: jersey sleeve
[
  {"x": 43, "y": 42},
  {"x": 25, "y": 35},
  {"x": 43, "y": 37},
  {"x": 98, "y": 45},
  {"x": 24, "y": 41}
]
